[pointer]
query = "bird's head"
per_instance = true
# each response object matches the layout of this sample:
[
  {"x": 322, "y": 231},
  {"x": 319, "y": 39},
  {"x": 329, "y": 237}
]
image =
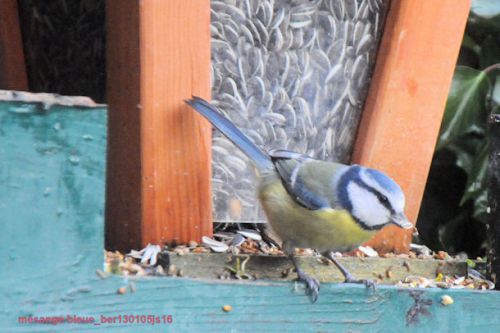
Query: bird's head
[{"x": 372, "y": 198}]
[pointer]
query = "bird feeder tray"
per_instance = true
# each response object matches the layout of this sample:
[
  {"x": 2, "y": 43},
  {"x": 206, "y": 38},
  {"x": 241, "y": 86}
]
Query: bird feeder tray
[{"x": 52, "y": 171}]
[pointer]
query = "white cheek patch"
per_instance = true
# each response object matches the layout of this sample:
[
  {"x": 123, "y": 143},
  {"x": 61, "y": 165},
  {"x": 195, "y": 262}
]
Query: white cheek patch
[
  {"x": 366, "y": 207},
  {"x": 396, "y": 198}
]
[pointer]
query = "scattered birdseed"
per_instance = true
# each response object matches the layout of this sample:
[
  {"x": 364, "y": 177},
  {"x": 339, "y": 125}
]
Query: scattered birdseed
[
  {"x": 133, "y": 264},
  {"x": 227, "y": 308},
  {"x": 441, "y": 255},
  {"x": 214, "y": 245},
  {"x": 121, "y": 290},
  {"x": 172, "y": 270},
  {"x": 368, "y": 251},
  {"x": 181, "y": 250},
  {"x": 406, "y": 264},
  {"x": 420, "y": 249},
  {"x": 200, "y": 249},
  {"x": 388, "y": 272}
]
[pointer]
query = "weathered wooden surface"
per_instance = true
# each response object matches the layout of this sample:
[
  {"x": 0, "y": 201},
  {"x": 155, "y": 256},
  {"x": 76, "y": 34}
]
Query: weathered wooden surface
[
  {"x": 196, "y": 306},
  {"x": 51, "y": 243},
  {"x": 406, "y": 101},
  {"x": 158, "y": 54},
  {"x": 387, "y": 270},
  {"x": 52, "y": 161},
  {"x": 123, "y": 190}
]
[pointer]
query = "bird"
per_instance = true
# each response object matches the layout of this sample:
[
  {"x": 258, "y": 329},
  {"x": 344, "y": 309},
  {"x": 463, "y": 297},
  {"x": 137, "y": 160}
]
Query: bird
[{"x": 309, "y": 203}]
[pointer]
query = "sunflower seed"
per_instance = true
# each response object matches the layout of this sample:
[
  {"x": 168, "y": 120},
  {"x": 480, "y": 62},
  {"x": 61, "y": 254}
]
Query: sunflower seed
[
  {"x": 333, "y": 72},
  {"x": 249, "y": 233},
  {"x": 237, "y": 240},
  {"x": 364, "y": 44},
  {"x": 290, "y": 75},
  {"x": 214, "y": 245},
  {"x": 278, "y": 18}
]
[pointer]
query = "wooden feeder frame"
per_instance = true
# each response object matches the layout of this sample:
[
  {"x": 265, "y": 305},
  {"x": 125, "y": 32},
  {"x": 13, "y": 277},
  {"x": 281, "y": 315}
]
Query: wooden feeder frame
[{"x": 158, "y": 54}]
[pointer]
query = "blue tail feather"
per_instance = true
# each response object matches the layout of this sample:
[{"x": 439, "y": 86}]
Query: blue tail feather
[{"x": 226, "y": 127}]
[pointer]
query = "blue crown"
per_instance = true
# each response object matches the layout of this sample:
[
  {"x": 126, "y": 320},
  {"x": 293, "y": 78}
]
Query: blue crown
[{"x": 383, "y": 180}]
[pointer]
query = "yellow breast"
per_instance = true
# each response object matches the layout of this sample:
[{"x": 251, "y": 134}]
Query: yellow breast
[{"x": 324, "y": 230}]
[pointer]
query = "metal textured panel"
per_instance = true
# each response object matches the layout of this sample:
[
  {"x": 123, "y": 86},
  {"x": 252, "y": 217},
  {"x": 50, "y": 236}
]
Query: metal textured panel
[{"x": 291, "y": 75}]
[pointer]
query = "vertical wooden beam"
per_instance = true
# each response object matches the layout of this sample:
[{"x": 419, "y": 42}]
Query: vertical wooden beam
[
  {"x": 407, "y": 97},
  {"x": 12, "y": 65},
  {"x": 123, "y": 175},
  {"x": 159, "y": 167}
]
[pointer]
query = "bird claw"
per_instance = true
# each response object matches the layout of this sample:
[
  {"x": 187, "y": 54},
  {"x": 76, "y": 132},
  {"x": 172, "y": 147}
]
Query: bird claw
[
  {"x": 368, "y": 283},
  {"x": 312, "y": 286}
]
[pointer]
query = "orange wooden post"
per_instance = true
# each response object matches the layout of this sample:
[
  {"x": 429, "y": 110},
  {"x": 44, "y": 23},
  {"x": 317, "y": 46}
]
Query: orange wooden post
[
  {"x": 12, "y": 65},
  {"x": 407, "y": 97},
  {"x": 159, "y": 164}
]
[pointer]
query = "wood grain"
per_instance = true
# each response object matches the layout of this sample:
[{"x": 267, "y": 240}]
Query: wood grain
[
  {"x": 212, "y": 266},
  {"x": 52, "y": 176},
  {"x": 12, "y": 65},
  {"x": 123, "y": 174},
  {"x": 50, "y": 253},
  {"x": 170, "y": 194},
  {"x": 407, "y": 97},
  {"x": 196, "y": 306}
]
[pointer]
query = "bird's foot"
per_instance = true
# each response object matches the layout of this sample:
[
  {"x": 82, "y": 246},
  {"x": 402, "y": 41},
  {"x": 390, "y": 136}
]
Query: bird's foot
[
  {"x": 348, "y": 276},
  {"x": 312, "y": 285},
  {"x": 368, "y": 283}
]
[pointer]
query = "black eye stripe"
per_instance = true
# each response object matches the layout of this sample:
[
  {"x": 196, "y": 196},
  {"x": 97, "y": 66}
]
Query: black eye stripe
[{"x": 382, "y": 198}]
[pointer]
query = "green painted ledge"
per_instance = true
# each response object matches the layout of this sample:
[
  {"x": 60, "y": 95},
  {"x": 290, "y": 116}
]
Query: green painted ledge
[{"x": 52, "y": 162}]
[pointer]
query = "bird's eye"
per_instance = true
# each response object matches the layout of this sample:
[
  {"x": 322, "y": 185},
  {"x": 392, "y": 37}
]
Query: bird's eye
[{"x": 383, "y": 198}]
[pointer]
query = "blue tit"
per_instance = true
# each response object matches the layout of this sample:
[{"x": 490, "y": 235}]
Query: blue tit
[{"x": 315, "y": 204}]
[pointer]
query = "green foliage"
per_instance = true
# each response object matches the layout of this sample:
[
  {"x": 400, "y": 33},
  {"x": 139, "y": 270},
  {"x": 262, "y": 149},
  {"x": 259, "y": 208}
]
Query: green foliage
[
  {"x": 465, "y": 108},
  {"x": 459, "y": 170}
]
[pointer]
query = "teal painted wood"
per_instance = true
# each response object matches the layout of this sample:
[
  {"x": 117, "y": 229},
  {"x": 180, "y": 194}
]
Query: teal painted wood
[
  {"x": 51, "y": 242},
  {"x": 196, "y": 306},
  {"x": 52, "y": 171}
]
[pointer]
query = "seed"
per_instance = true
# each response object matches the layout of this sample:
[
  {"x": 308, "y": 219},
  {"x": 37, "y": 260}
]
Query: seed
[
  {"x": 121, "y": 290},
  {"x": 172, "y": 270},
  {"x": 446, "y": 300},
  {"x": 406, "y": 264},
  {"x": 388, "y": 272},
  {"x": 227, "y": 308},
  {"x": 264, "y": 57},
  {"x": 278, "y": 18},
  {"x": 101, "y": 274}
]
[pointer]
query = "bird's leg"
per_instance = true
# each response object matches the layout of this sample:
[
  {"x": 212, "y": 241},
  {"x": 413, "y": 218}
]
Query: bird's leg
[
  {"x": 348, "y": 276},
  {"x": 312, "y": 285}
]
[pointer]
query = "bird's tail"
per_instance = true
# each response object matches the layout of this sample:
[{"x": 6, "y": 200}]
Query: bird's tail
[{"x": 262, "y": 160}]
